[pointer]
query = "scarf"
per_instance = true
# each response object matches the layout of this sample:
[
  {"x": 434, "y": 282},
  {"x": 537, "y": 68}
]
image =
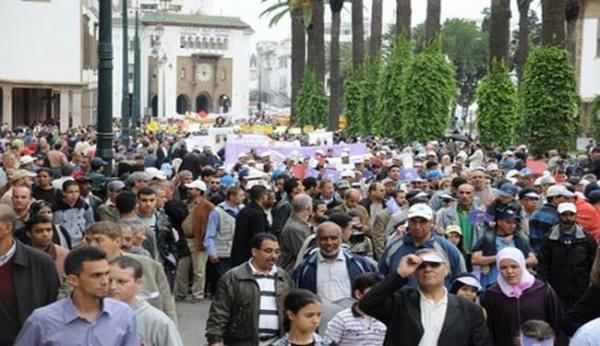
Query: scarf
[{"x": 527, "y": 279}]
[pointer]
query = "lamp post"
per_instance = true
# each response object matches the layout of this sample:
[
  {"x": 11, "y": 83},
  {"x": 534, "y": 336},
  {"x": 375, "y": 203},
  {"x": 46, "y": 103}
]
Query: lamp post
[
  {"x": 125, "y": 88},
  {"x": 105, "y": 66},
  {"x": 135, "y": 107},
  {"x": 163, "y": 65}
]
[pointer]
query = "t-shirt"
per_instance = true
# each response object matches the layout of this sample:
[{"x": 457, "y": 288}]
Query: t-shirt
[{"x": 467, "y": 230}]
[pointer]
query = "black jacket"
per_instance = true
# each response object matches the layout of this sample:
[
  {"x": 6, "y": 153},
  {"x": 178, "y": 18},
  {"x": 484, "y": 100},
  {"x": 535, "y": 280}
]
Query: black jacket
[
  {"x": 35, "y": 283},
  {"x": 585, "y": 310},
  {"x": 399, "y": 309},
  {"x": 250, "y": 221},
  {"x": 566, "y": 264}
]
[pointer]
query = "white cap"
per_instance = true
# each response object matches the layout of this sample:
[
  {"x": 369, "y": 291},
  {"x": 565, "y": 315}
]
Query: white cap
[
  {"x": 240, "y": 155},
  {"x": 432, "y": 257},
  {"x": 469, "y": 281},
  {"x": 547, "y": 180},
  {"x": 431, "y": 153},
  {"x": 344, "y": 154},
  {"x": 564, "y": 207},
  {"x": 347, "y": 174},
  {"x": 197, "y": 184},
  {"x": 319, "y": 152},
  {"x": 559, "y": 190},
  {"x": 420, "y": 210},
  {"x": 26, "y": 159},
  {"x": 492, "y": 167},
  {"x": 265, "y": 154},
  {"x": 154, "y": 172},
  {"x": 512, "y": 173}
]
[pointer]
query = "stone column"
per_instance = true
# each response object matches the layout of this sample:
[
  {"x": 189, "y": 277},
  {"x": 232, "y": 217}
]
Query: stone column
[
  {"x": 64, "y": 110},
  {"x": 76, "y": 109},
  {"x": 7, "y": 114}
]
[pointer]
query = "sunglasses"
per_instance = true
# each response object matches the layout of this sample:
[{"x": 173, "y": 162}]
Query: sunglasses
[{"x": 433, "y": 265}]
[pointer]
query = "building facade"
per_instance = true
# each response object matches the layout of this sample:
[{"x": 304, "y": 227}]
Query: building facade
[
  {"x": 189, "y": 63},
  {"x": 587, "y": 62},
  {"x": 48, "y": 62},
  {"x": 272, "y": 66}
]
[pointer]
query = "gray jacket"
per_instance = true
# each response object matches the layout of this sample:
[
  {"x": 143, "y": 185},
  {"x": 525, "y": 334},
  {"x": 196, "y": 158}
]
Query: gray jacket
[
  {"x": 233, "y": 315},
  {"x": 291, "y": 239}
]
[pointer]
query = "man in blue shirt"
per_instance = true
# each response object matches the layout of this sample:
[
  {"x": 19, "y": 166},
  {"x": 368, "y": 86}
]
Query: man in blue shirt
[
  {"x": 87, "y": 317},
  {"x": 420, "y": 235}
]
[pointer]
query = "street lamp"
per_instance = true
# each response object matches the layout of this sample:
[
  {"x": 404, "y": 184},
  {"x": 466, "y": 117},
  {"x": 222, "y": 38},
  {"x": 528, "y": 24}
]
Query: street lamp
[
  {"x": 163, "y": 65},
  {"x": 135, "y": 104},
  {"x": 125, "y": 88},
  {"x": 105, "y": 67}
]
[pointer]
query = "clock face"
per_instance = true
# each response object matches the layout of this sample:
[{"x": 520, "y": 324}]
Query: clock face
[{"x": 204, "y": 72}]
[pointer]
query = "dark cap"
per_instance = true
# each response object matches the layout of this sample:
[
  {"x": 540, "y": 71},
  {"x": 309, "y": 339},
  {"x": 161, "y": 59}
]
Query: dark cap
[
  {"x": 98, "y": 162},
  {"x": 508, "y": 190},
  {"x": 507, "y": 214},
  {"x": 594, "y": 197}
]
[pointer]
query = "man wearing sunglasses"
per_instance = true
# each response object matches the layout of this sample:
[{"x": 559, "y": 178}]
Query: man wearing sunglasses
[{"x": 428, "y": 314}]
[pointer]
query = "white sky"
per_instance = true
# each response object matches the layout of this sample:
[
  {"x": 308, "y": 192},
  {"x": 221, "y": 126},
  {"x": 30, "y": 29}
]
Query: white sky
[{"x": 249, "y": 11}]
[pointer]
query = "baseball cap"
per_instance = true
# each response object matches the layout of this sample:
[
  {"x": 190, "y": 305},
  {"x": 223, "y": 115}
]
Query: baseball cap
[
  {"x": 197, "y": 184},
  {"x": 431, "y": 256},
  {"x": 115, "y": 185},
  {"x": 227, "y": 180},
  {"x": 469, "y": 280},
  {"x": 594, "y": 197},
  {"x": 97, "y": 162},
  {"x": 508, "y": 190},
  {"x": 567, "y": 207},
  {"x": 547, "y": 180},
  {"x": 434, "y": 174},
  {"x": 453, "y": 229},
  {"x": 446, "y": 195},
  {"x": 526, "y": 171},
  {"x": 558, "y": 190},
  {"x": 492, "y": 167},
  {"x": 83, "y": 179},
  {"x": 507, "y": 214},
  {"x": 420, "y": 210},
  {"x": 26, "y": 159},
  {"x": 156, "y": 173},
  {"x": 343, "y": 184},
  {"x": 528, "y": 193}
]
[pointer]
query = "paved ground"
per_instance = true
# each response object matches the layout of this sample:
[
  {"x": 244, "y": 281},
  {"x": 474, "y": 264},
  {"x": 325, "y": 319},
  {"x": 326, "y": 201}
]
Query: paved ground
[{"x": 192, "y": 322}]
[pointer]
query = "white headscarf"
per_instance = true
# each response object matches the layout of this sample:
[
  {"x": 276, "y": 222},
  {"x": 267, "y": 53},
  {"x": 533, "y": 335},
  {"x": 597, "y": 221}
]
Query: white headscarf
[{"x": 527, "y": 279}]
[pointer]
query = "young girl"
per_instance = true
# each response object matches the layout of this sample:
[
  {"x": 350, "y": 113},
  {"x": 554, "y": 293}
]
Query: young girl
[
  {"x": 466, "y": 286},
  {"x": 302, "y": 316},
  {"x": 536, "y": 333}
]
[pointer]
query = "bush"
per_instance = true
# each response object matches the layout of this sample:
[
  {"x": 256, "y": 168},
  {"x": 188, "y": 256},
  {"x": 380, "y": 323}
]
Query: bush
[
  {"x": 549, "y": 100},
  {"x": 312, "y": 106},
  {"x": 497, "y": 107},
  {"x": 360, "y": 98},
  {"x": 428, "y": 95}
]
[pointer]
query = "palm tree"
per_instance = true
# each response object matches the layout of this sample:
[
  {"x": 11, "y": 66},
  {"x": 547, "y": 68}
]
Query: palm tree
[
  {"x": 335, "y": 91},
  {"x": 403, "y": 13},
  {"x": 572, "y": 15},
  {"x": 553, "y": 22},
  {"x": 432, "y": 22},
  {"x": 358, "y": 34},
  {"x": 316, "y": 41},
  {"x": 523, "y": 45},
  {"x": 499, "y": 30},
  {"x": 376, "y": 28}
]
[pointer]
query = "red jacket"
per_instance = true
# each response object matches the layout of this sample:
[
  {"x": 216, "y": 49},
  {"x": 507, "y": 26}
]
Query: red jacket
[{"x": 588, "y": 217}]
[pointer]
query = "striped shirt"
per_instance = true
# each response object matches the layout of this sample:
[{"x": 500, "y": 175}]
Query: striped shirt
[
  {"x": 350, "y": 328},
  {"x": 268, "y": 317}
]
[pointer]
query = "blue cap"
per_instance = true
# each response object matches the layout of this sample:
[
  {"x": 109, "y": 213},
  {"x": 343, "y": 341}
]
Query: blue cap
[
  {"x": 276, "y": 173},
  {"x": 508, "y": 190},
  {"x": 228, "y": 181},
  {"x": 526, "y": 171},
  {"x": 244, "y": 172},
  {"x": 435, "y": 174}
]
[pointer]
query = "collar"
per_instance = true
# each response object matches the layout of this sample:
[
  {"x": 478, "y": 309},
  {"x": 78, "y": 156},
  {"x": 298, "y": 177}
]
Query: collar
[
  {"x": 442, "y": 301},
  {"x": 339, "y": 258},
  {"x": 227, "y": 206},
  {"x": 71, "y": 313},
  {"x": 11, "y": 252},
  {"x": 259, "y": 273}
]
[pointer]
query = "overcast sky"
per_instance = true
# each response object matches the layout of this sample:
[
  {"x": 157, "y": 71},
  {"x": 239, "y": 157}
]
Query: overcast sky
[{"x": 249, "y": 11}]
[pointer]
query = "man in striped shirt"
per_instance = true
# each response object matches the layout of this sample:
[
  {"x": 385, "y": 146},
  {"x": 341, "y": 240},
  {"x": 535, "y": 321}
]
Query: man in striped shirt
[{"x": 249, "y": 298}]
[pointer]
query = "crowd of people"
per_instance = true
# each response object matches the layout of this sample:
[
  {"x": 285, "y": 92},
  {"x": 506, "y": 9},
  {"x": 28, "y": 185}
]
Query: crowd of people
[{"x": 438, "y": 243}]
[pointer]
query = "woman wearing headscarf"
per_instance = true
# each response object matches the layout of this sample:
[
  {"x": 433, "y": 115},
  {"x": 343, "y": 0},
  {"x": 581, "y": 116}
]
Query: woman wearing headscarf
[{"x": 517, "y": 297}]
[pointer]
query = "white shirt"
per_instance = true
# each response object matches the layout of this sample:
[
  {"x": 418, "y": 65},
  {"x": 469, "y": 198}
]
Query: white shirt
[
  {"x": 432, "y": 318},
  {"x": 11, "y": 252},
  {"x": 333, "y": 282}
]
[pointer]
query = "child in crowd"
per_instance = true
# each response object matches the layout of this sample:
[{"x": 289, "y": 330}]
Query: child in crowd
[{"x": 352, "y": 327}]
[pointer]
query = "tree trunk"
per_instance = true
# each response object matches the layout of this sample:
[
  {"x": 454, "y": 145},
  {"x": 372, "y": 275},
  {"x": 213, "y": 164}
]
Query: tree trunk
[
  {"x": 523, "y": 45},
  {"x": 553, "y": 23},
  {"x": 335, "y": 90},
  {"x": 572, "y": 15},
  {"x": 316, "y": 42},
  {"x": 403, "y": 13},
  {"x": 358, "y": 34},
  {"x": 499, "y": 30},
  {"x": 298, "y": 57},
  {"x": 376, "y": 27},
  {"x": 432, "y": 22}
]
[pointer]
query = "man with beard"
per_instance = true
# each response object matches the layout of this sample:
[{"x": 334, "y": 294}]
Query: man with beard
[{"x": 567, "y": 256}]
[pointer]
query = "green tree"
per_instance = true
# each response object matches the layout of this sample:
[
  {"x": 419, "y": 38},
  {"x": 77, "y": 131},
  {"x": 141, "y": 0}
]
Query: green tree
[
  {"x": 428, "y": 97},
  {"x": 312, "y": 104},
  {"x": 390, "y": 90},
  {"x": 497, "y": 107},
  {"x": 549, "y": 100}
]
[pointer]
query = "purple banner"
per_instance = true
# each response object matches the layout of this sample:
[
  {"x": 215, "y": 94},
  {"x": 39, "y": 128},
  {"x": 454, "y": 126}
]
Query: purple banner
[{"x": 232, "y": 150}]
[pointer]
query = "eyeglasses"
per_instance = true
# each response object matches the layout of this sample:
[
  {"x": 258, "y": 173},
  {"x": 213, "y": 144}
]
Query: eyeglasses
[{"x": 433, "y": 265}]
